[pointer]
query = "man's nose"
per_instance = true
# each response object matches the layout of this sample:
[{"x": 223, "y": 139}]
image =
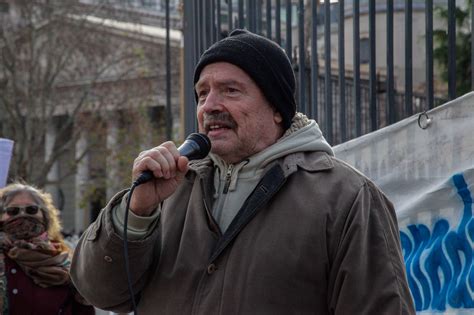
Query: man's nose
[{"x": 213, "y": 102}]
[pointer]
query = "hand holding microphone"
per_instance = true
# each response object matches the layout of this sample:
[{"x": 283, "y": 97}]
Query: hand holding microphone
[
  {"x": 166, "y": 166},
  {"x": 196, "y": 146}
]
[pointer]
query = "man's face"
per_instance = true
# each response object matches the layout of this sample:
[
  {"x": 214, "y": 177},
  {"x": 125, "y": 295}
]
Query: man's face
[{"x": 234, "y": 113}]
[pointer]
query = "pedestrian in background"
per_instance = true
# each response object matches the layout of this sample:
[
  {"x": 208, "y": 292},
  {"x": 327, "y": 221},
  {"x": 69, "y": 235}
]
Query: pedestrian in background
[{"x": 34, "y": 260}]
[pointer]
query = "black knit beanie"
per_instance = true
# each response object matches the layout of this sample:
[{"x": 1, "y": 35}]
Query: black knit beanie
[{"x": 264, "y": 61}]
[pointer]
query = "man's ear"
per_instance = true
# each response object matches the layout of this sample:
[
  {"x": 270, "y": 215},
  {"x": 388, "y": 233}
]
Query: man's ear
[{"x": 277, "y": 117}]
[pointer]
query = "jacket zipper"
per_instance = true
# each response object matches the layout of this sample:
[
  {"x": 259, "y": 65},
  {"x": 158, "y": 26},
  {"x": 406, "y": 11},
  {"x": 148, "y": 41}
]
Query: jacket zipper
[{"x": 228, "y": 177}]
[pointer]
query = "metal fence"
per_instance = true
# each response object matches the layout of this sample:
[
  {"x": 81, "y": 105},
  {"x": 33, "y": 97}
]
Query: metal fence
[{"x": 345, "y": 102}]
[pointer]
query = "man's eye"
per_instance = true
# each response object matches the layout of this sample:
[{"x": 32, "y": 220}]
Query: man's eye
[
  {"x": 202, "y": 95},
  {"x": 231, "y": 90}
]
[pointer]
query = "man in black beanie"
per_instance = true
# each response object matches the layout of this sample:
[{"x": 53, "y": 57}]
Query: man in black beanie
[{"x": 269, "y": 223}]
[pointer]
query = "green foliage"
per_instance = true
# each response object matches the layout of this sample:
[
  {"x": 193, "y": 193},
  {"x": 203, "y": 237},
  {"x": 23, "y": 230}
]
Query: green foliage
[{"x": 463, "y": 47}]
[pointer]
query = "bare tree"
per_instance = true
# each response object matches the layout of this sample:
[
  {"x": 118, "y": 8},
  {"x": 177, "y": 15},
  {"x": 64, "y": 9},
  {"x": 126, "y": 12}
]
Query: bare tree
[{"x": 63, "y": 68}]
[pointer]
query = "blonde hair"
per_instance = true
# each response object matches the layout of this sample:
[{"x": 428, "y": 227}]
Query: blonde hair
[{"x": 43, "y": 199}]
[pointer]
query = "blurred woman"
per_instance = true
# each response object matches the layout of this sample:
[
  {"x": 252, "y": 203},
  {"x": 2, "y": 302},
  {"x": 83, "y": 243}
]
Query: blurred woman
[{"x": 34, "y": 260}]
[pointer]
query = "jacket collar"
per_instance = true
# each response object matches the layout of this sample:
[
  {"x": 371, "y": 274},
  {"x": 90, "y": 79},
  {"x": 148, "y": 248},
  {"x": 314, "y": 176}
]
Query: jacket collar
[
  {"x": 309, "y": 161},
  {"x": 201, "y": 167}
]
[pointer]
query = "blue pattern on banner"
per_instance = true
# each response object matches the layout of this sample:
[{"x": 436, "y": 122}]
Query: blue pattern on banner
[{"x": 439, "y": 264}]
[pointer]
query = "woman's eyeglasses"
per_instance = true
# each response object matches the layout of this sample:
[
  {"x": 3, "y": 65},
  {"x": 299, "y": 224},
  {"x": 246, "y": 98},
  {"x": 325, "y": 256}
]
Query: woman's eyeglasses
[{"x": 15, "y": 210}]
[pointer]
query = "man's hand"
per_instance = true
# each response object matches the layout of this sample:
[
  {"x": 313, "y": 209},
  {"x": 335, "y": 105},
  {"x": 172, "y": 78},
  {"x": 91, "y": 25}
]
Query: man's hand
[{"x": 168, "y": 167}]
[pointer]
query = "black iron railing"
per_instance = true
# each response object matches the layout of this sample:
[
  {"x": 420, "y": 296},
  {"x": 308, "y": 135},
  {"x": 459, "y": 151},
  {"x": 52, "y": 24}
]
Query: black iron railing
[{"x": 347, "y": 101}]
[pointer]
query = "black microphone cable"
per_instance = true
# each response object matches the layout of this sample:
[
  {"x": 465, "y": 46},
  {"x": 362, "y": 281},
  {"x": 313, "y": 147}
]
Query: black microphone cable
[
  {"x": 196, "y": 146},
  {"x": 125, "y": 249}
]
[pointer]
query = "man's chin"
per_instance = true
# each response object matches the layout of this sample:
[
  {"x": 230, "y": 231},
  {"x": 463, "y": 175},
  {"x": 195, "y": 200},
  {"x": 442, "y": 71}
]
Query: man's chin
[{"x": 220, "y": 149}]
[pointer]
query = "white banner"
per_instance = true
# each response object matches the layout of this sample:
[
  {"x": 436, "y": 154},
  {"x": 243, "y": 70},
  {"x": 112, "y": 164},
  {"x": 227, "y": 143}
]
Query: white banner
[
  {"x": 6, "y": 147},
  {"x": 425, "y": 165}
]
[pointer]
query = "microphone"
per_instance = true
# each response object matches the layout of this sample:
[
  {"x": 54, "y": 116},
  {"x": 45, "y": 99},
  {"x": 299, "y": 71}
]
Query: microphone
[{"x": 196, "y": 146}]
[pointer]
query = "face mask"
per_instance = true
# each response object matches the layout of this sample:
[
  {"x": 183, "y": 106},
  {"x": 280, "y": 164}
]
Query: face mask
[{"x": 23, "y": 227}]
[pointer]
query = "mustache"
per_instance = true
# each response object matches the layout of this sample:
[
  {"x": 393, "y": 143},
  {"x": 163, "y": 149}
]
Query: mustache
[{"x": 222, "y": 118}]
